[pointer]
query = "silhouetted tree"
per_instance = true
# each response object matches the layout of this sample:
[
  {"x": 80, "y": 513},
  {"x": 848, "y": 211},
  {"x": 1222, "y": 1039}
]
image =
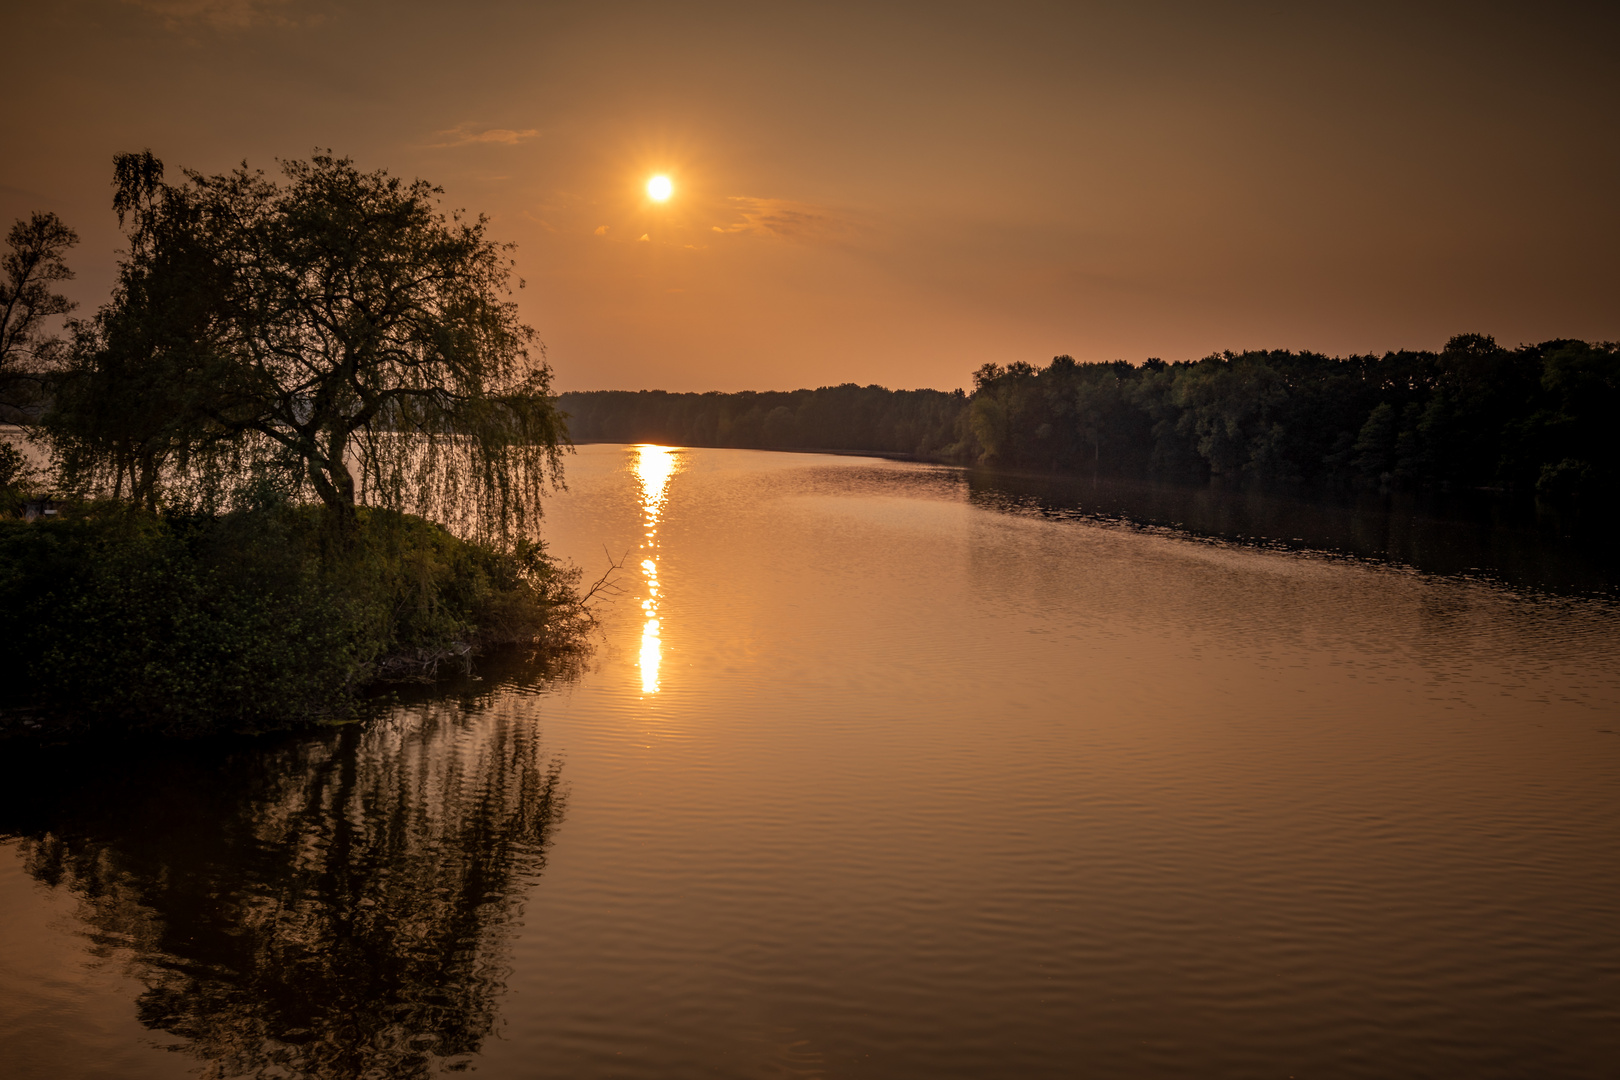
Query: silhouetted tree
[
  {"x": 134, "y": 397},
  {"x": 334, "y": 332},
  {"x": 33, "y": 266}
]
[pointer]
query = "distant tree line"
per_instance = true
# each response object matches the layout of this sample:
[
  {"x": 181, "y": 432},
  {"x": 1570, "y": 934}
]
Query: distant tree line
[
  {"x": 872, "y": 419},
  {"x": 1535, "y": 418}
]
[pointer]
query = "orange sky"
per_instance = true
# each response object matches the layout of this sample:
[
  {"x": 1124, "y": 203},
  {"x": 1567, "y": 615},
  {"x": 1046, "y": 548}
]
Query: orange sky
[{"x": 898, "y": 193}]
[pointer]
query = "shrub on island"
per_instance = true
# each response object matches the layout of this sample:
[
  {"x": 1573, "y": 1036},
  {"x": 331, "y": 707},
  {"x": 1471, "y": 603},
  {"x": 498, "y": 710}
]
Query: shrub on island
[{"x": 123, "y": 622}]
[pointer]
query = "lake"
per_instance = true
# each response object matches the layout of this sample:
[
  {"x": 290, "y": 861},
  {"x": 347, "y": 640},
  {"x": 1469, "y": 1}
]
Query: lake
[{"x": 881, "y": 769}]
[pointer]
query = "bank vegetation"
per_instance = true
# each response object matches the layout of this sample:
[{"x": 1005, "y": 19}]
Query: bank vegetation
[{"x": 301, "y": 449}]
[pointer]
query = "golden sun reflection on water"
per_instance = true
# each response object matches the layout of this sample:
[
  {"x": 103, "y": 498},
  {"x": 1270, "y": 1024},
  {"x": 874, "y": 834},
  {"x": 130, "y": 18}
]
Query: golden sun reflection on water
[{"x": 654, "y": 465}]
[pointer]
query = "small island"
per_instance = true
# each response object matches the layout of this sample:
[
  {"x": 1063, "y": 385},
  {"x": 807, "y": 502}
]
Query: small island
[{"x": 299, "y": 451}]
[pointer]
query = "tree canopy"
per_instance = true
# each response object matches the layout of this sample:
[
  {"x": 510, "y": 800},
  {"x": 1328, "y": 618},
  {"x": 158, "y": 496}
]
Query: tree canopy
[
  {"x": 29, "y": 272},
  {"x": 331, "y": 332}
]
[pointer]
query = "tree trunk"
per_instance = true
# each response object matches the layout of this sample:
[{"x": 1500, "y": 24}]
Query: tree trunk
[
  {"x": 335, "y": 485},
  {"x": 146, "y": 486}
]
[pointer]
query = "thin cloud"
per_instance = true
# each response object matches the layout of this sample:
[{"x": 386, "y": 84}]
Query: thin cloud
[
  {"x": 783, "y": 219},
  {"x": 467, "y": 135},
  {"x": 219, "y": 14}
]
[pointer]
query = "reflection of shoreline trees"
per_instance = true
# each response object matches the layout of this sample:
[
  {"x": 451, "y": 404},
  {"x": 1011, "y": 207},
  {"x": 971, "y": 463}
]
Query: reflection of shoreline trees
[
  {"x": 337, "y": 907},
  {"x": 1471, "y": 535}
]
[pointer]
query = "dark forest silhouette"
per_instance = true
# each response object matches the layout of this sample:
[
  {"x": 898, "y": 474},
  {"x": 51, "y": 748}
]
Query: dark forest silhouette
[{"x": 1475, "y": 414}]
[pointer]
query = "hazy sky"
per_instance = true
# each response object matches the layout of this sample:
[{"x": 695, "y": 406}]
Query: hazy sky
[{"x": 898, "y": 193}]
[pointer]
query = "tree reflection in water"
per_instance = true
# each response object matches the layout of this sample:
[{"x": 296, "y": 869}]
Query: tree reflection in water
[{"x": 336, "y": 906}]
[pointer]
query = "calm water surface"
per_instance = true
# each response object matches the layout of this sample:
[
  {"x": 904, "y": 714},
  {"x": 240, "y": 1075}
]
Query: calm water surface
[{"x": 874, "y": 775}]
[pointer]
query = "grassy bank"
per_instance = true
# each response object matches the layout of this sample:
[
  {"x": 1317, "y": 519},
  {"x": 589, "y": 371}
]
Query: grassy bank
[{"x": 120, "y": 622}]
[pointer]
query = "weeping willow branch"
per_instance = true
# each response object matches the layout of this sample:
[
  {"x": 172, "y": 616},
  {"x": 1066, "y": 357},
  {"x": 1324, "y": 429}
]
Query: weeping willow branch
[{"x": 332, "y": 335}]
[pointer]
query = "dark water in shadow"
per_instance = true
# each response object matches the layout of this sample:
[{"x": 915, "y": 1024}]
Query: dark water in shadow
[
  {"x": 886, "y": 770},
  {"x": 1517, "y": 541}
]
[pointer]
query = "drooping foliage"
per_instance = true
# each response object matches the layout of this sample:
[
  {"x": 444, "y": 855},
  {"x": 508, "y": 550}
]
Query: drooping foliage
[{"x": 333, "y": 333}]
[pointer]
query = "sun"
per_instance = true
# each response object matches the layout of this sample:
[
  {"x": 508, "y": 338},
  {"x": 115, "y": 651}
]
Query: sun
[{"x": 659, "y": 189}]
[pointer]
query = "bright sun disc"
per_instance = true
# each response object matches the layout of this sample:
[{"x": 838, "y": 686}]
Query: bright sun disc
[{"x": 659, "y": 188}]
